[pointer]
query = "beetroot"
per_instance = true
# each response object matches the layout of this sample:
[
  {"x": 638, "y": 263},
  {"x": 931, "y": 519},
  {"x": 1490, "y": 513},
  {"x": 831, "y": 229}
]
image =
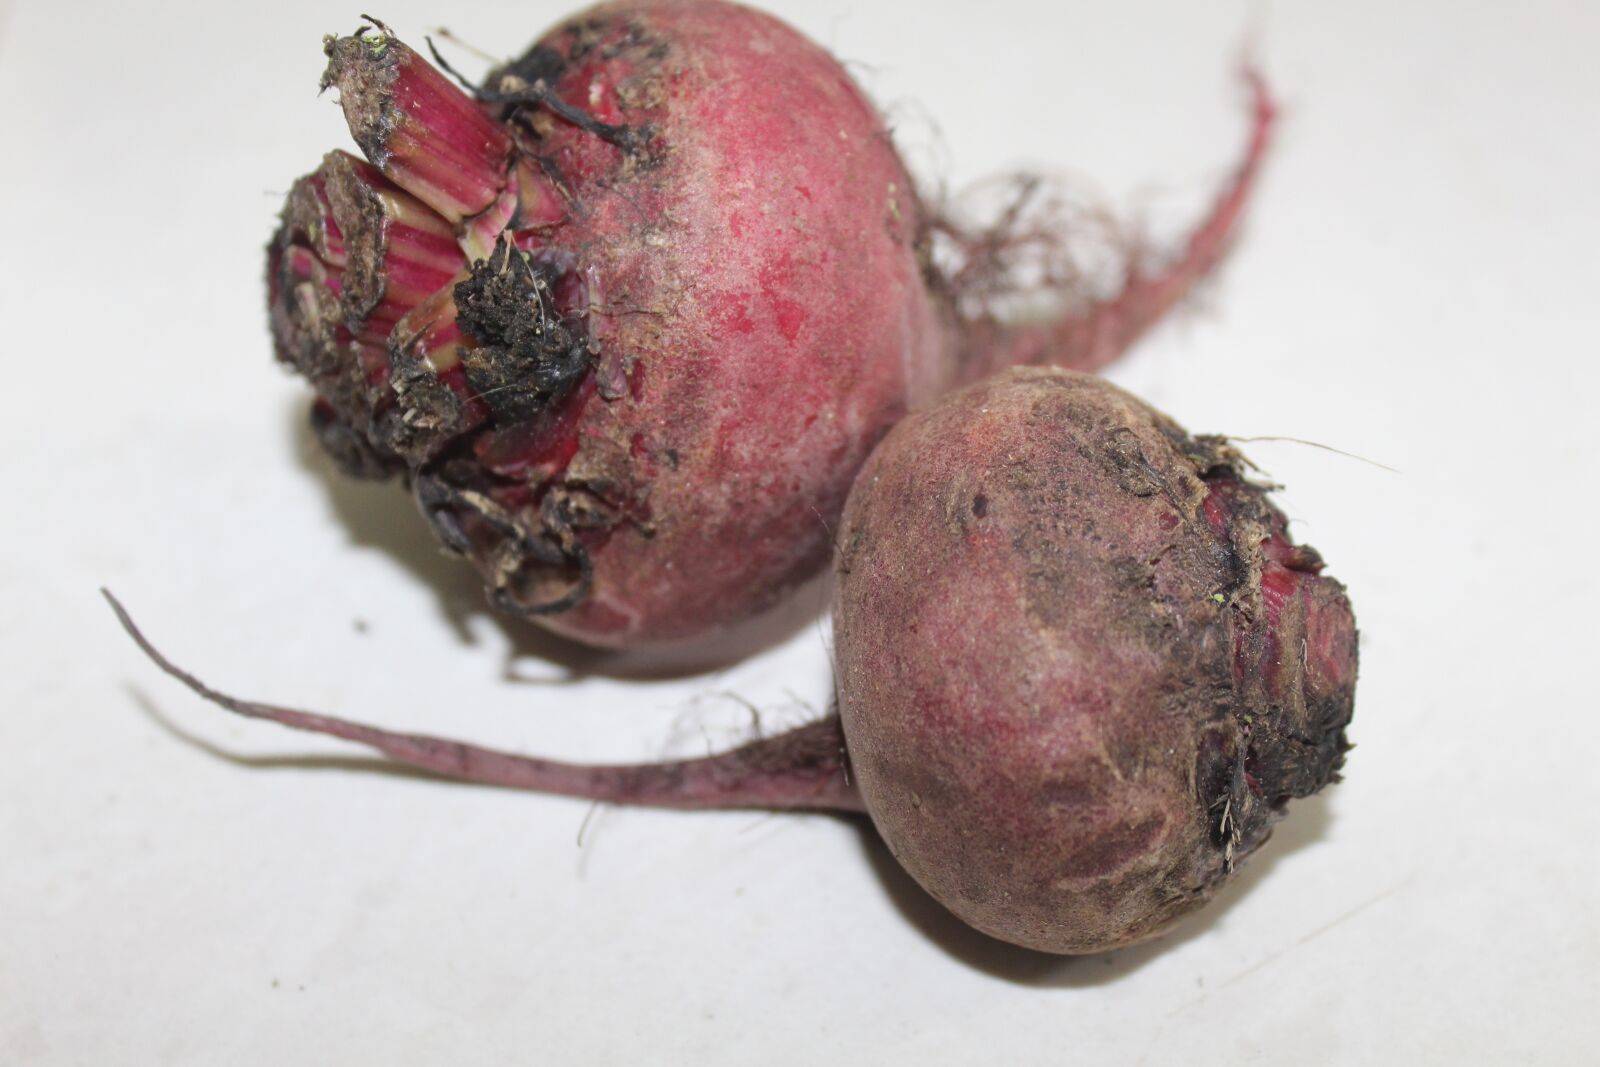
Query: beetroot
[
  {"x": 629, "y": 318},
  {"x": 1095, "y": 676},
  {"x": 1082, "y": 670}
]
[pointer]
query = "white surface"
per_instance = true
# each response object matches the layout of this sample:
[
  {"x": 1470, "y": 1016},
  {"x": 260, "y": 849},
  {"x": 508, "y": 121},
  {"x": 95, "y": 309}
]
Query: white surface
[{"x": 178, "y": 887}]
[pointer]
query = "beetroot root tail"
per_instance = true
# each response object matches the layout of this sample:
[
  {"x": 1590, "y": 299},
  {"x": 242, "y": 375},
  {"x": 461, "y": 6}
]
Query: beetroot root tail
[
  {"x": 804, "y": 768},
  {"x": 1097, "y": 336}
]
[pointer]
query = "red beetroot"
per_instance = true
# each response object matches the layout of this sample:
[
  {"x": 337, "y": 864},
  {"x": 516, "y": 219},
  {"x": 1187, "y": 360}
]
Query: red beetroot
[
  {"x": 629, "y": 321},
  {"x": 1082, "y": 670},
  {"x": 1098, "y": 672}
]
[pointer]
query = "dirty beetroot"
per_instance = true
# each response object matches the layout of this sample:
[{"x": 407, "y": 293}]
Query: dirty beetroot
[
  {"x": 1072, "y": 701},
  {"x": 628, "y": 315}
]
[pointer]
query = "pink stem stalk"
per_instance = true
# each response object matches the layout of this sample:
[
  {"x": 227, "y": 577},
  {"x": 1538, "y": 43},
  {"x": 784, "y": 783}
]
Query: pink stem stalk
[{"x": 424, "y": 133}]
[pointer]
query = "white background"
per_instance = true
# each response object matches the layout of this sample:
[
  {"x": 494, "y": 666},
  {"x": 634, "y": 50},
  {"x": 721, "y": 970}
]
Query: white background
[{"x": 1417, "y": 285}]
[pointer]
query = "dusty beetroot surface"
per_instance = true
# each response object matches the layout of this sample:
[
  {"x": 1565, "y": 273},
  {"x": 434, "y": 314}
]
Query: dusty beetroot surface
[
  {"x": 629, "y": 319},
  {"x": 1097, "y": 673}
]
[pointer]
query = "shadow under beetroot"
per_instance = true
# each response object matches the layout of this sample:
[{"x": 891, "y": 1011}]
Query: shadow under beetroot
[
  {"x": 1306, "y": 823},
  {"x": 382, "y": 515}
]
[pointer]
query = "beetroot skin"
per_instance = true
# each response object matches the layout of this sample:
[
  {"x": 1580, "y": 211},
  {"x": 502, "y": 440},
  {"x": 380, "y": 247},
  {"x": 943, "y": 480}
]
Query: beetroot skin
[
  {"x": 629, "y": 318},
  {"x": 752, "y": 317},
  {"x": 1098, "y": 672},
  {"x": 1082, "y": 670}
]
